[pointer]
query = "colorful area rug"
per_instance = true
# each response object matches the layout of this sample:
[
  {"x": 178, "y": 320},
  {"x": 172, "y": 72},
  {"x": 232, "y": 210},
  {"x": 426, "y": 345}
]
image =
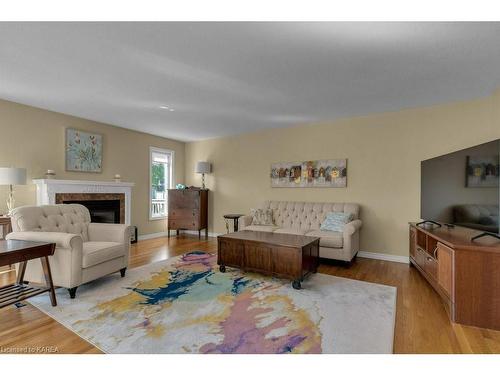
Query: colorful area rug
[{"x": 185, "y": 305}]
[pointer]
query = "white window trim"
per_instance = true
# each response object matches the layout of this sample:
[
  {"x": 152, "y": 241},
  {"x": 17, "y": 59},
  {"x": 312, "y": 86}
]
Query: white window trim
[{"x": 171, "y": 177}]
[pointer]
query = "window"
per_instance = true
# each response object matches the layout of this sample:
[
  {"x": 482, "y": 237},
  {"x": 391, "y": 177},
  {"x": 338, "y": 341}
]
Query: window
[{"x": 160, "y": 172}]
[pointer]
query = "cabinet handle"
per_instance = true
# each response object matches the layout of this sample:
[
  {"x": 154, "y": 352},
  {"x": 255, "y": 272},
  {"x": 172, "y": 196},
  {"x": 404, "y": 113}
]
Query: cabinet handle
[{"x": 435, "y": 253}]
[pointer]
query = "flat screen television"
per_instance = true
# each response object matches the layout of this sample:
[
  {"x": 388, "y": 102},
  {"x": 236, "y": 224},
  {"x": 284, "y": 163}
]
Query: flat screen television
[{"x": 462, "y": 188}]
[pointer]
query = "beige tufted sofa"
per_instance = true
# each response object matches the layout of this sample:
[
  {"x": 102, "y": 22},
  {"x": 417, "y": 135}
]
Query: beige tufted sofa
[
  {"x": 305, "y": 218},
  {"x": 84, "y": 252}
]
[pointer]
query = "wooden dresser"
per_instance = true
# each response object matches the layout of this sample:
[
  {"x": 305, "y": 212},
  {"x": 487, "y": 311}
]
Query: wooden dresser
[
  {"x": 188, "y": 209},
  {"x": 465, "y": 273}
]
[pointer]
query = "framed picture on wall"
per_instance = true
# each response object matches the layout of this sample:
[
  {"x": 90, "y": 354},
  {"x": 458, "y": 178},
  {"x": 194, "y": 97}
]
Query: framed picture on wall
[
  {"x": 482, "y": 171},
  {"x": 313, "y": 173},
  {"x": 83, "y": 151}
]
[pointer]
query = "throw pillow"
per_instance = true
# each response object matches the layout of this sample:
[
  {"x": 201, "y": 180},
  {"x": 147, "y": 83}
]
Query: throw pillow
[
  {"x": 262, "y": 216},
  {"x": 335, "y": 221}
]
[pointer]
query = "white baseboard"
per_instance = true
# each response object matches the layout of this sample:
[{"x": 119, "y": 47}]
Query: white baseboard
[
  {"x": 210, "y": 234},
  {"x": 151, "y": 235},
  {"x": 172, "y": 234},
  {"x": 361, "y": 254},
  {"x": 387, "y": 257}
]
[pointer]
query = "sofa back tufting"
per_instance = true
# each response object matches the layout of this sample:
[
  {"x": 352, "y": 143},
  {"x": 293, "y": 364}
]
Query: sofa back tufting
[
  {"x": 66, "y": 218},
  {"x": 306, "y": 215}
]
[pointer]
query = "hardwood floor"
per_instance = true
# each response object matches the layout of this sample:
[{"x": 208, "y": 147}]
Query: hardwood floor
[{"x": 422, "y": 325}]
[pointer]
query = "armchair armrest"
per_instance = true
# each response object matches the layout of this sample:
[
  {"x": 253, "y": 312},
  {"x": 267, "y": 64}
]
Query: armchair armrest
[
  {"x": 66, "y": 263},
  {"x": 109, "y": 232},
  {"x": 62, "y": 240},
  {"x": 351, "y": 227},
  {"x": 244, "y": 221}
]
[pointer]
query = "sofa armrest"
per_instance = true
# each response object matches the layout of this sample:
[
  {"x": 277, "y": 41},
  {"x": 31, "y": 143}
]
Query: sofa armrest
[
  {"x": 109, "y": 232},
  {"x": 351, "y": 227},
  {"x": 244, "y": 221},
  {"x": 62, "y": 240}
]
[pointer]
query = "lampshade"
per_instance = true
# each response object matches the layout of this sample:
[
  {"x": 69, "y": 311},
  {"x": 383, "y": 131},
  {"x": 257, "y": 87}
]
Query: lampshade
[
  {"x": 203, "y": 167},
  {"x": 12, "y": 176}
]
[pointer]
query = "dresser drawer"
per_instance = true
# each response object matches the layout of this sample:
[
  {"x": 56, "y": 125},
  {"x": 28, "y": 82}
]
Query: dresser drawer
[
  {"x": 182, "y": 224},
  {"x": 184, "y": 213},
  {"x": 184, "y": 199}
]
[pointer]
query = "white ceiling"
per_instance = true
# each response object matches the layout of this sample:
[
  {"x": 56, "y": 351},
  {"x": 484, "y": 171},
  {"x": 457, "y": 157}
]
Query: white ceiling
[{"x": 230, "y": 78}]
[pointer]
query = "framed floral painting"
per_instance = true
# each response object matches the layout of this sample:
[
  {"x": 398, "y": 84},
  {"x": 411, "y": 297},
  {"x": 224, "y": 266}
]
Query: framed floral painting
[{"x": 83, "y": 151}]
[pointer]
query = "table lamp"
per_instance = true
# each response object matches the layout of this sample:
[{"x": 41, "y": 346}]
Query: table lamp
[
  {"x": 12, "y": 176},
  {"x": 203, "y": 167}
]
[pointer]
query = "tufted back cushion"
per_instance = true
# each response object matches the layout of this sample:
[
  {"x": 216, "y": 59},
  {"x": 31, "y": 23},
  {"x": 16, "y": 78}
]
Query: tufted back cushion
[
  {"x": 66, "y": 218},
  {"x": 306, "y": 215}
]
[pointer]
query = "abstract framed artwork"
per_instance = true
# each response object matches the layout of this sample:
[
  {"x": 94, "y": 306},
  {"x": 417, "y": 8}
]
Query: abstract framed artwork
[
  {"x": 482, "y": 171},
  {"x": 83, "y": 151},
  {"x": 314, "y": 173}
]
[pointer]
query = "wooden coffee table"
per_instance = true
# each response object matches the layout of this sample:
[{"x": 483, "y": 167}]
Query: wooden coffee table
[
  {"x": 15, "y": 251},
  {"x": 283, "y": 255}
]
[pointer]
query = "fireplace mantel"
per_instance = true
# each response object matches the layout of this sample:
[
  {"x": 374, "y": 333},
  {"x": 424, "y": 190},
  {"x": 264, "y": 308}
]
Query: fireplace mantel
[{"x": 46, "y": 190}]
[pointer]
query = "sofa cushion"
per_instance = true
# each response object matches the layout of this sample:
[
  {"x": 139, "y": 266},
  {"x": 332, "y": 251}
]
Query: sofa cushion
[
  {"x": 328, "y": 238},
  {"x": 99, "y": 252},
  {"x": 291, "y": 231},
  {"x": 335, "y": 221},
  {"x": 262, "y": 216},
  {"x": 261, "y": 228}
]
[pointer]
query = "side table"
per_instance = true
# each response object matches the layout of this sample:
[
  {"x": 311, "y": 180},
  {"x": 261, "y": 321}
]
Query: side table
[
  {"x": 15, "y": 251},
  {"x": 5, "y": 224},
  {"x": 233, "y": 217}
]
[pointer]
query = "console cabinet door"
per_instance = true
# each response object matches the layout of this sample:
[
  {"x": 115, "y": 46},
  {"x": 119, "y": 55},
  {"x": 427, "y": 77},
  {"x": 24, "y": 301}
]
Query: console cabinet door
[
  {"x": 445, "y": 268},
  {"x": 413, "y": 239}
]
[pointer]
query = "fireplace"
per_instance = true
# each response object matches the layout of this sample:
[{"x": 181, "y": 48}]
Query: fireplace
[
  {"x": 102, "y": 211},
  {"x": 52, "y": 191},
  {"x": 103, "y": 207}
]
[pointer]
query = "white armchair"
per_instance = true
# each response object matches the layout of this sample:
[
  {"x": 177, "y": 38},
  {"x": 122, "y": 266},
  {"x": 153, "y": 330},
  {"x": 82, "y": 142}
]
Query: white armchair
[{"x": 85, "y": 251}]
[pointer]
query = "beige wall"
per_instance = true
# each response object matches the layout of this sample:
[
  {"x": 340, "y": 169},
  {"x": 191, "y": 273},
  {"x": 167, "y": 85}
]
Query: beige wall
[
  {"x": 34, "y": 138},
  {"x": 383, "y": 151}
]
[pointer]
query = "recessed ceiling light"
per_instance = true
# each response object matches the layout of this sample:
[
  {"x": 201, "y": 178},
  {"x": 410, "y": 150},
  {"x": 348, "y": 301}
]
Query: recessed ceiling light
[
  {"x": 164, "y": 107},
  {"x": 171, "y": 109}
]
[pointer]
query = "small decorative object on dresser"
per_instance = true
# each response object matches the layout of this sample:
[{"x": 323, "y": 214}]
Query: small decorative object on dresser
[{"x": 188, "y": 209}]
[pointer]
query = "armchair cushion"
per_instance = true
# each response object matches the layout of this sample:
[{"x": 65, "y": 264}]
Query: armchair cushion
[{"x": 99, "y": 252}]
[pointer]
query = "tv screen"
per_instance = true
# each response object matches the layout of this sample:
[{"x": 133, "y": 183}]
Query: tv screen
[{"x": 462, "y": 188}]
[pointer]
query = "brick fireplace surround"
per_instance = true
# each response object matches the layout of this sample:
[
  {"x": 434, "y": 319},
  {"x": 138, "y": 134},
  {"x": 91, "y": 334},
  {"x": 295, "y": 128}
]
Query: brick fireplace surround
[{"x": 65, "y": 197}]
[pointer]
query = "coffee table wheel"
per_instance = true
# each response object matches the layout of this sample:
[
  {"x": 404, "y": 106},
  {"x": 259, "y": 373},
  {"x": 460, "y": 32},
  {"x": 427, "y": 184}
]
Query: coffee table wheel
[
  {"x": 296, "y": 284},
  {"x": 222, "y": 268}
]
